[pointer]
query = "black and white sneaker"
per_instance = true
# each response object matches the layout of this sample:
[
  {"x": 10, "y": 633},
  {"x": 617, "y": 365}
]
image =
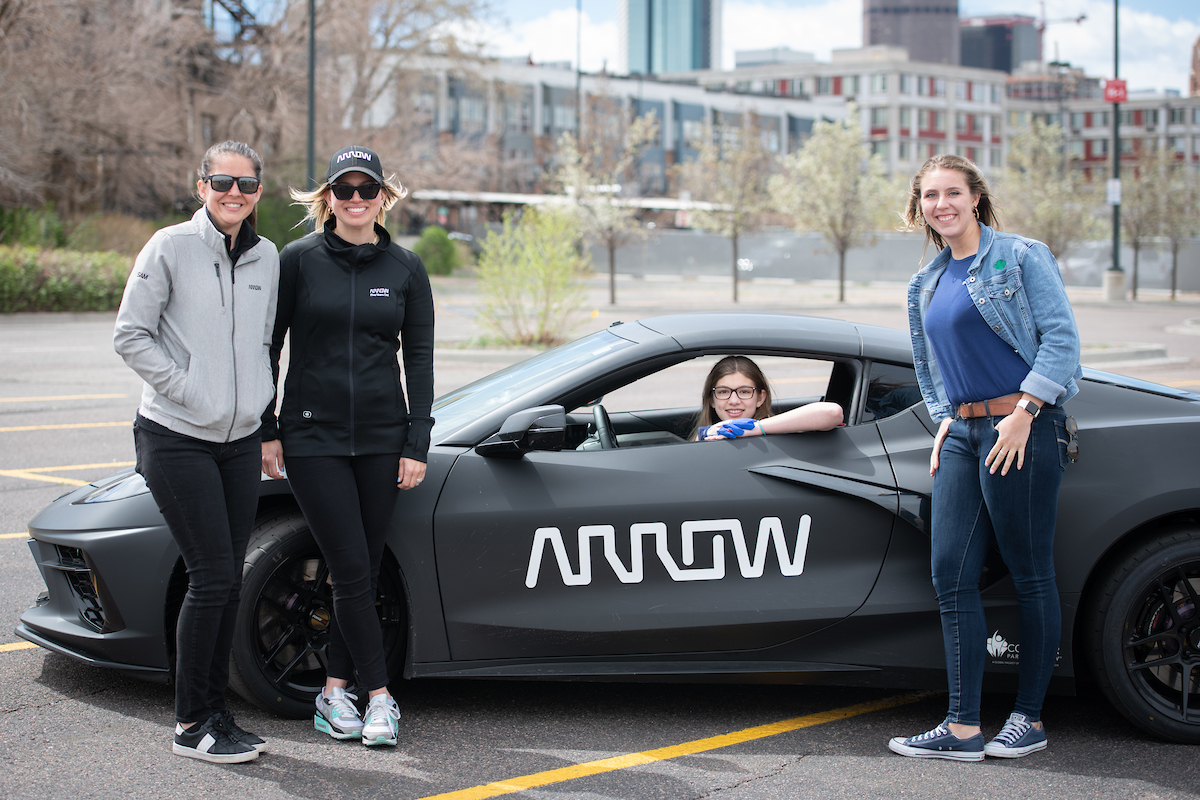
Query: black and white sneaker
[
  {"x": 223, "y": 721},
  {"x": 206, "y": 743}
]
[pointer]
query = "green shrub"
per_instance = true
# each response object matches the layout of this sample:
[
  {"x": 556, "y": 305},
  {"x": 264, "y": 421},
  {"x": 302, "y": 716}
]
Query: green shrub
[
  {"x": 278, "y": 218},
  {"x": 437, "y": 250},
  {"x": 32, "y": 227},
  {"x": 61, "y": 280},
  {"x": 530, "y": 277}
]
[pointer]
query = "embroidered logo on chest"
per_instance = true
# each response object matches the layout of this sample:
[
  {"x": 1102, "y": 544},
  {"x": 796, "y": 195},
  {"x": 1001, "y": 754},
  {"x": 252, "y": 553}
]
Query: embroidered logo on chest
[{"x": 381, "y": 292}]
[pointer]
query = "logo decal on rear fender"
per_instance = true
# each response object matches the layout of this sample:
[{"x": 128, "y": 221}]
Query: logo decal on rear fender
[{"x": 751, "y": 565}]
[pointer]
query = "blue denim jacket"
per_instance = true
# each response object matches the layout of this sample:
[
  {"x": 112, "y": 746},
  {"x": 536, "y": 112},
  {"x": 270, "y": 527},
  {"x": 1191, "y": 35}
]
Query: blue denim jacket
[{"x": 1018, "y": 289}]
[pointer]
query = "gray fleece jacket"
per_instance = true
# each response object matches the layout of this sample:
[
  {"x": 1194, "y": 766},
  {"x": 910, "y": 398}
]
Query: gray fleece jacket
[{"x": 197, "y": 330}]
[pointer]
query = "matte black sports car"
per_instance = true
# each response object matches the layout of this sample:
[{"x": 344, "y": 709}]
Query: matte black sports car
[{"x": 567, "y": 527}]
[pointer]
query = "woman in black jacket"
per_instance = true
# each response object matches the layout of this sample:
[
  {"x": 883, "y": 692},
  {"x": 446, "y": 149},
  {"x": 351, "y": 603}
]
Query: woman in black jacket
[{"x": 351, "y": 298}]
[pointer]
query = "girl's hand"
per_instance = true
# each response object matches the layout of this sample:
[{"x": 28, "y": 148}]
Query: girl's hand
[
  {"x": 411, "y": 473},
  {"x": 272, "y": 459},
  {"x": 942, "y": 432},
  {"x": 733, "y": 428},
  {"x": 1012, "y": 435}
]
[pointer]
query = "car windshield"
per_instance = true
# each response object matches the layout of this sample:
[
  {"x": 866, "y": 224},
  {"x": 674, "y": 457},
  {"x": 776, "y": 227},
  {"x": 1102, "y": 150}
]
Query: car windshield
[{"x": 468, "y": 403}]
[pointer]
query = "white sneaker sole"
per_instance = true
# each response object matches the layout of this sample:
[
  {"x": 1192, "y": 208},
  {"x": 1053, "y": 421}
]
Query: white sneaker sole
[
  {"x": 214, "y": 758},
  {"x": 1000, "y": 751}
]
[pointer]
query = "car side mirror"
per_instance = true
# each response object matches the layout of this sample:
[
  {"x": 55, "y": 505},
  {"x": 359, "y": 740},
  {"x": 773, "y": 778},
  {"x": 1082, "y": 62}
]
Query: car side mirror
[{"x": 540, "y": 428}]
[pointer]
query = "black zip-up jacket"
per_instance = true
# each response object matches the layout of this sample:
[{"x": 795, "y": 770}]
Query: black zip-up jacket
[{"x": 350, "y": 308}]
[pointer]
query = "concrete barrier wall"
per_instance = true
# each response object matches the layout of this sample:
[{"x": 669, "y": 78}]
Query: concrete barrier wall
[{"x": 892, "y": 257}]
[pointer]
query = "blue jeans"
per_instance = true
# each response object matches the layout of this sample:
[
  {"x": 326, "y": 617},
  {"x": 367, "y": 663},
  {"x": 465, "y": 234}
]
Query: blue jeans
[
  {"x": 208, "y": 495},
  {"x": 972, "y": 509}
]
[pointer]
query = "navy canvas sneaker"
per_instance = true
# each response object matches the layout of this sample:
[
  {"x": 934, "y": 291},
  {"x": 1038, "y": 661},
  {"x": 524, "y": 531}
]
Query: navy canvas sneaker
[
  {"x": 939, "y": 743},
  {"x": 1017, "y": 738}
]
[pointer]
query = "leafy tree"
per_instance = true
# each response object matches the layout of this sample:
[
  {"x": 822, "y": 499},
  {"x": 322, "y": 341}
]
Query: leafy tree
[
  {"x": 591, "y": 169},
  {"x": 834, "y": 187},
  {"x": 1042, "y": 200},
  {"x": 530, "y": 277},
  {"x": 730, "y": 172}
]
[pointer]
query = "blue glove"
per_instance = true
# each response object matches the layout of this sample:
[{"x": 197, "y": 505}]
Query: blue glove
[{"x": 733, "y": 428}]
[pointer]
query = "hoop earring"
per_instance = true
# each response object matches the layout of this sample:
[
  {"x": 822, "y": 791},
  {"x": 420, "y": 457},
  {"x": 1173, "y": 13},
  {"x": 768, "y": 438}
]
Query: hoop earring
[{"x": 976, "y": 210}]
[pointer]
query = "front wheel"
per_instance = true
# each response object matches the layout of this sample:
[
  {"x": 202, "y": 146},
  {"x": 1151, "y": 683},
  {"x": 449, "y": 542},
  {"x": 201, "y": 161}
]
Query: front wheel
[
  {"x": 1144, "y": 639},
  {"x": 278, "y": 659}
]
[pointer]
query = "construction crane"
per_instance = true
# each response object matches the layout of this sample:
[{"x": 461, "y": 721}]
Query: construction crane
[{"x": 1043, "y": 22}]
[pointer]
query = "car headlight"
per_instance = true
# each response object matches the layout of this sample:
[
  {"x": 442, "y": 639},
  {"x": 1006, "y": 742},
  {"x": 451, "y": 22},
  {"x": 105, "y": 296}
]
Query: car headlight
[{"x": 116, "y": 487}]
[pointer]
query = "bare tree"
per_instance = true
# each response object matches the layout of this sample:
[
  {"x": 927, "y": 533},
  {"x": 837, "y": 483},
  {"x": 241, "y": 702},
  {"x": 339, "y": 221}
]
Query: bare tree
[
  {"x": 834, "y": 187},
  {"x": 1180, "y": 212},
  {"x": 1144, "y": 203},
  {"x": 1041, "y": 199},
  {"x": 597, "y": 173},
  {"x": 730, "y": 172}
]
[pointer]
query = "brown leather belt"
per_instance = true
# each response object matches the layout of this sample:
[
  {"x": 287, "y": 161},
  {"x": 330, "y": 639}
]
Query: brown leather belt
[{"x": 996, "y": 407}]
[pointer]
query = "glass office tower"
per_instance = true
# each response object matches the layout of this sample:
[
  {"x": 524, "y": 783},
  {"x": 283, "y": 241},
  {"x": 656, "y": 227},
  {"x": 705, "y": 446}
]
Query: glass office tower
[{"x": 660, "y": 36}]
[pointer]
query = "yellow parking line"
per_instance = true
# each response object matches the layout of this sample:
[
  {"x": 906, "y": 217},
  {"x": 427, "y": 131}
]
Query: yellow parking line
[
  {"x": 21, "y": 535},
  {"x": 71, "y": 426},
  {"x": 32, "y": 473},
  {"x": 5, "y": 648},
  {"x": 61, "y": 397},
  {"x": 686, "y": 749}
]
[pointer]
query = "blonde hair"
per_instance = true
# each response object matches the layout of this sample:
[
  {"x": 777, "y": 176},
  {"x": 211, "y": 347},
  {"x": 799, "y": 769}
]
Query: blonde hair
[{"x": 316, "y": 203}]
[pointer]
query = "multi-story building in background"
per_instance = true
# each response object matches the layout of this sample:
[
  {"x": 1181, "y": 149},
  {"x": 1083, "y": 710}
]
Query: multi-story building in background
[
  {"x": 909, "y": 110},
  {"x": 1003, "y": 43},
  {"x": 658, "y": 36},
  {"x": 928, "y": 29}
]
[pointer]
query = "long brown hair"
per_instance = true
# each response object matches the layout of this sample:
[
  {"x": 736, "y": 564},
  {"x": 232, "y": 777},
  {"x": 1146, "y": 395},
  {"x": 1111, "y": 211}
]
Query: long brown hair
[
  {"x": 985, "y": 211},
  {"x": 728, "y": 366}
]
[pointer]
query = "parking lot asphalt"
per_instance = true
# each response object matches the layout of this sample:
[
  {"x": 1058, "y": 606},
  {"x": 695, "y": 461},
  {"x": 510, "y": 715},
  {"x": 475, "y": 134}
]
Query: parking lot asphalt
[{"x": 76, "y": 731}]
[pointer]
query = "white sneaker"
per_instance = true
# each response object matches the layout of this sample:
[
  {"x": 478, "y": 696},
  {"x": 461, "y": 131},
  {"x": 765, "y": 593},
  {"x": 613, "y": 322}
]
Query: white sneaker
[
  {"x": 381, "y": 721},
  {"x": 337, "y": 715}
]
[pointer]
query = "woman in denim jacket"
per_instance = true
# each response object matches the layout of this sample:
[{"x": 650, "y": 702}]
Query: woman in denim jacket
[{"x": 996, "y": 353}]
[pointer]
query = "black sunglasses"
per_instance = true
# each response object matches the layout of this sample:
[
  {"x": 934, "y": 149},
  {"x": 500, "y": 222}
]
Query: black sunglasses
[
  {"x": 345, "y": 191},
  {"x": 1072, "y": 439},
  {"x": 223, "y": 183}
]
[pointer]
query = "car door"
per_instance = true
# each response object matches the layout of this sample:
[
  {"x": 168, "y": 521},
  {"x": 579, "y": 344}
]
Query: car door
[{"x": 707, "y": 547}]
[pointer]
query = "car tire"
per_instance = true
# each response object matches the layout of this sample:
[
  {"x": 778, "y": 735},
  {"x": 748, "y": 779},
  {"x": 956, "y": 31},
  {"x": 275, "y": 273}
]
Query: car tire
[
  {"x": 1144, "y": 638},
  {"x": 278, "y": 657}
]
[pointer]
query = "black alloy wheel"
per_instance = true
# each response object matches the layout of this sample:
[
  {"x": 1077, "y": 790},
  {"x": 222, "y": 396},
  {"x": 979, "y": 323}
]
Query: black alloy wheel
[
  {"x": 279, "y": 649},
  {"x": 1145, "y": 641}
]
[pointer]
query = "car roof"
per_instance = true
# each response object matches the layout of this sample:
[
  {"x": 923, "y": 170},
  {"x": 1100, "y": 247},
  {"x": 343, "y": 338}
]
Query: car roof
[{"x": 771, "y": 331}]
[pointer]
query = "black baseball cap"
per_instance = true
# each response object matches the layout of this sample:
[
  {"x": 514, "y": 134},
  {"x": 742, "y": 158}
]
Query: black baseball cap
[{"x": 354, "y": 159}]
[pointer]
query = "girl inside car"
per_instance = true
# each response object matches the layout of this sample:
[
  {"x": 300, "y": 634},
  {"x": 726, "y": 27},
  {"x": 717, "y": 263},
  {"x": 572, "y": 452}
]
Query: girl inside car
[{"x": 736, "y": 401}]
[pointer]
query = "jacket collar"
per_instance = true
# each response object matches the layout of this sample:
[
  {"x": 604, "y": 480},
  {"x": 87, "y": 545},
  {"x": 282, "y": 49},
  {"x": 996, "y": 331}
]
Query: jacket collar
[
  {"x": 354, "y": 256},
  {"x": 986, "y": 237},
  {"x": 217, "y": 239}
]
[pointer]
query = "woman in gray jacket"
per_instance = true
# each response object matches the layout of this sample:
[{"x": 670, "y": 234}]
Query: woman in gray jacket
[{"x": 195, "y": 324}]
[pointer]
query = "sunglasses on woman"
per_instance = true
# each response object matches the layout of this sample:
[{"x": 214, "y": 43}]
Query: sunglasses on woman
[
  {"x": 345, "y": 191},
  {"x": 223, "y": 183}
]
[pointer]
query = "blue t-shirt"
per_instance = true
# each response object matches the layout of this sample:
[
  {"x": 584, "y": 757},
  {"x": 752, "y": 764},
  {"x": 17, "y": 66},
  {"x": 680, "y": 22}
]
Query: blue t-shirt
[{"x": 975, "y": 363}]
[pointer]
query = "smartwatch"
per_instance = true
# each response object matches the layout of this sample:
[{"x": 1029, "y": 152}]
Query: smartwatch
[{"x": 1031, "y": 407}]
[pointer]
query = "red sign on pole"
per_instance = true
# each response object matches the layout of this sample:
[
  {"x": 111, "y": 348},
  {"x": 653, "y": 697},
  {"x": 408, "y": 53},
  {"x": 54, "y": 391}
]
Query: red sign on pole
[{"x": 1114, "y": 91}]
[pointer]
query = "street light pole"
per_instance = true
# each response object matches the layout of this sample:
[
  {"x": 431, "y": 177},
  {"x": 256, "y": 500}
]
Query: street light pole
[
  {"x": 1114, "y": 277},
  {"x": 578, "y": 67},
  {"x": 312, "y": 92}
]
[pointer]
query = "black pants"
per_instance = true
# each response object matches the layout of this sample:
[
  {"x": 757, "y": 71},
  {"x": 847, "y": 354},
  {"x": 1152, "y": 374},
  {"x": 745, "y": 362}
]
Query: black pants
[
  {"x": 348, "y": 502},
  {"x": 208, "y": 495}
]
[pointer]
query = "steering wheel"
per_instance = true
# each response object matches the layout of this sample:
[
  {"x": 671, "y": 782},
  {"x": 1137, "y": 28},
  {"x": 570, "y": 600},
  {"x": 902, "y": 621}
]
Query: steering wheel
[{"x": 604, "y": 432}]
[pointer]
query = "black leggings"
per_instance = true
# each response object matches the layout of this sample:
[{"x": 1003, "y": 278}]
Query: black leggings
[
  {"x": 348, "y": 502},
  {"x": 208, "y": 495}
]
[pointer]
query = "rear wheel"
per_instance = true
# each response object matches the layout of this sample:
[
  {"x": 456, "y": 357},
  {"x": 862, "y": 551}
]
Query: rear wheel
[
  {"x": 279, "y": 646},
  {"x": 1144, "y": 639}
]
